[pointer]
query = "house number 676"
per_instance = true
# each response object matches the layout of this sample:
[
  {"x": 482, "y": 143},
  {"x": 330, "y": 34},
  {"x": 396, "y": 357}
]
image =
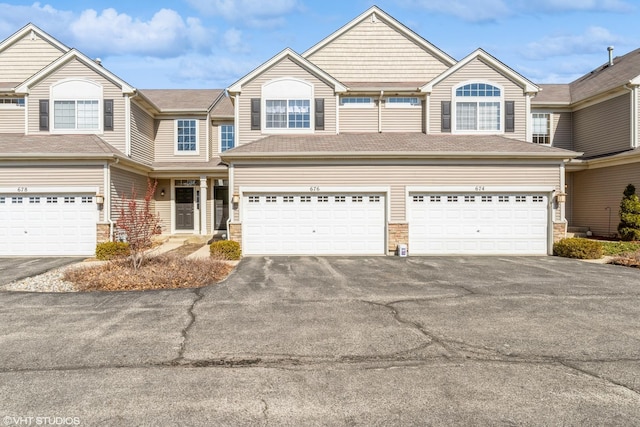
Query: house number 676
[{"x": 314, "y": 189}]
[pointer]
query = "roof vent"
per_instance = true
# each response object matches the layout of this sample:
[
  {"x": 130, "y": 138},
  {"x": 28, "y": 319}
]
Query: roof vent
[
  {"x": 610, "y": 49},
  {"x": 98, "y": 61}
]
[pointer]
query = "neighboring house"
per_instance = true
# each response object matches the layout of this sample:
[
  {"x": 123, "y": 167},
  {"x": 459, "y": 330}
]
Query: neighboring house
[{"x": 371, "y": 139}]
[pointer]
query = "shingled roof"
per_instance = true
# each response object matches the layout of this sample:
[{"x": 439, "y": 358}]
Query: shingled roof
[
  {"x": 411, "y": 145},
  {"x": 56, "y": 146},
  {"x": 177, "y": 100}
]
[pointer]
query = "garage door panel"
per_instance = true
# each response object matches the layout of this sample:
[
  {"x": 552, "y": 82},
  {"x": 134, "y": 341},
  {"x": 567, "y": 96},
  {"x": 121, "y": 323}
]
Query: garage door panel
[
  {"x": 471, "y": 224},
  {"x": 323, "y": 224},
  {"x": 42, "y": 224}
]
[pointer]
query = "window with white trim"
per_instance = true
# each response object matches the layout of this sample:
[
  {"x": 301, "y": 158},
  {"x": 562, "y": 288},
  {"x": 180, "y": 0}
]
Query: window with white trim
[
  {"x": 288, "y": 114},
  {"x": 478, "y": 107},
  {"x": 186, "y": 136},
  {"x": 76, "y": 115},
  {"x": 356, "y": 102},
  {"x": 227, "y": 137},
  {"x": 11, "y": 102},
  {"x": 541, "y": 128},
  {"x": 403, "y": 102}
]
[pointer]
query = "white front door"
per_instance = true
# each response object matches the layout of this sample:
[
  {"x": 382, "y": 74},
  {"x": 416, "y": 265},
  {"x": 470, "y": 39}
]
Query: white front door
[
  {"x": 318, "y": 224},
  {"x": 487, "y": 224},
  {"x": 47, "y": 224}
]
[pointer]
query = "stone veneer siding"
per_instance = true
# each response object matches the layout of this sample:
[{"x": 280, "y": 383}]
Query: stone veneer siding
[
  {"x": 235, "y": 233},
  {"x": 398, "y": 234},
  {"x": 559, "y": 231},
  {"x": 103, "y": 232}
]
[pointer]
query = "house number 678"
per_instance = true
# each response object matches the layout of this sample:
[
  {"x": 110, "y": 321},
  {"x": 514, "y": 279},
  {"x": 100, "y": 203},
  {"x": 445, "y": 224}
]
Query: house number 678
[{"x": 22, "y": 189}]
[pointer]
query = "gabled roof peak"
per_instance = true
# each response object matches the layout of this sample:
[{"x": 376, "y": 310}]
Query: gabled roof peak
[
  {"x": 375, "y": 13},
  {"x": 33, "y": 29}
]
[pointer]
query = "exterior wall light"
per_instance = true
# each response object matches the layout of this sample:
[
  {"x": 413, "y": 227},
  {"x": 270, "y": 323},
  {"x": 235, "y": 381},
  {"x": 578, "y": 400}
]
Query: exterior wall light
[
  {"x": 236, "y": 199},
  {"x": 162, "y": 193},
  {"x": 561, "y": 197},
  {"x": 100, "y": 199}
]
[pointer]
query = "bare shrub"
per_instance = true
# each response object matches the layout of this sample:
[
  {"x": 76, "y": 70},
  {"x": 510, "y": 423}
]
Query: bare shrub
[{"x": 161, "y": 272}]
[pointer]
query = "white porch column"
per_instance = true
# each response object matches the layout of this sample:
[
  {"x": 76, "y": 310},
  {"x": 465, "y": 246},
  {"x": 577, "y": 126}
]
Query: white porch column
[{"x": 203, "y": 205}]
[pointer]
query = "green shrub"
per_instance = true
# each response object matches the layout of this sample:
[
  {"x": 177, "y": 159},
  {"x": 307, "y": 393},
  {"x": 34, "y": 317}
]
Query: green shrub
[
  {"x": 629, "y": 227},
  {"x": 578, "y": 248},
  {"x": 110, "y": 250},
  {"x": 620, "y": 248},
  {"x": 225, "y": 249}
]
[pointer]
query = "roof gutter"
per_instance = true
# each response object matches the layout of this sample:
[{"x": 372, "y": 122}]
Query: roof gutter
[{"x": 395, "y": 155}]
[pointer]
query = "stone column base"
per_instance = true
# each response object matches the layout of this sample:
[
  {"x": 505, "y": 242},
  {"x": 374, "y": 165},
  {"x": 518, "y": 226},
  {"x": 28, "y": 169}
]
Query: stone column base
[
  {"x": 559, "y": 231},
  {"x": 103, "y": 232},
  {"x": 398, "y": 233},
  {"x": 235, "y": 233}
]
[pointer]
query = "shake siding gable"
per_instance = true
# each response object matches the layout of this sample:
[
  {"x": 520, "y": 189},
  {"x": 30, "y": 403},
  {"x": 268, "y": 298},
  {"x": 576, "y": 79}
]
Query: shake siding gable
[
  {"x": 397, "y": 177},
  {"x": 477, "y": 70},
  {"x": 373, "y": 51},
  {"x": 76, "y": 69},
  {"x": 26, "y": 57},
  {"x": 12, "y": 120},
  {"x": 142, "y": 135},
  {"x": 284, "y": 68},
  {"x": 603, "y": 128},
  {"x": 165, "y": 143}
]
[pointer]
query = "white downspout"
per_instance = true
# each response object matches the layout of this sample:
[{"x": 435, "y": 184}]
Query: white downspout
[
  {"x": 380, "y": 111},
  {"x": 528, "y": 129},
  {"x": 232, "y": 189},
  {"x": 337, "y": 114},
  {"x": 427, "y": 114}
]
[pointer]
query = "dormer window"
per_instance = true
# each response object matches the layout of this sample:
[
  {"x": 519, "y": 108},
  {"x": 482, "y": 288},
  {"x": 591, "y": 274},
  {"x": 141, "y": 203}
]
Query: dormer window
[
  {"x": 286, "y": 106},
  {"x": 77, "y": 106},
  {"x": 478, "y": 108},
  {"x": 11, "y": 102}
]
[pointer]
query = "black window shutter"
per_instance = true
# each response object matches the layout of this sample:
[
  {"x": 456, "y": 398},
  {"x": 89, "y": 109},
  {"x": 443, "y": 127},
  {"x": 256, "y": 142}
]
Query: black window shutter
[
  {"x": 108, "y": 114},
  {"x": 509, "y": 116},
  {"x": 255, "y": 113},
  {"x": 446, "y": 116},
  {"x": 319, "y": 113},
  {"x": 44, "y": 114}
]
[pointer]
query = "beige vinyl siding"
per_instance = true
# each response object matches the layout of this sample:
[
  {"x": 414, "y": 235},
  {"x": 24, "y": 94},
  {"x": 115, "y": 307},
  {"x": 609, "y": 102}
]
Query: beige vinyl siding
[
  {"x": 53, "y": 176},
  {"x": 409, "y": 119},
  {"x": 142, "y": 134},
  {"x": 76, "y": 69},
  {"x": 375, "y": 52},
  {"x": 214, "y": 139},
  {"x": 284, "y": 68},
  {"x": 603, "y": 128},
  {"x": 165, "y": 143},
  {"x": 478, "y": 71},
  {"x": 12, "y": 120},
  {"x": 162, "y": 205},
  {"x": 353, "y": 119},
  {"x": 26, "y": 57},
  {"x": 599, "y": 189},
  {"x": 562, "y": 130},
  {"x": 397, "y": 177},
  {"x": 123, "y": 183}
]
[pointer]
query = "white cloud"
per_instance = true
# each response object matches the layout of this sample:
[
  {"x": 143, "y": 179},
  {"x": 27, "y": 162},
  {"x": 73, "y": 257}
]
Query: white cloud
[
  {"x": 110, "y": 32},
  {"x": 234, "y": 41},
  {"x": 594, "y": 39},
  {"x": 580, "y": 5},
  {"x": 255, "y": 13},
  {"x": 14, "y": 17}
]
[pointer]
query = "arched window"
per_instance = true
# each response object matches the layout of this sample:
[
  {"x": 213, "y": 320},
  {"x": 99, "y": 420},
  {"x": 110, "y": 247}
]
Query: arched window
[{"x": 478, "y": 107}]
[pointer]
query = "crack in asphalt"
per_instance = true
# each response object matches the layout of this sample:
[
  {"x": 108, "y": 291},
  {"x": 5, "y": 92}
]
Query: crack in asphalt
[
  {"x": 192, "y": 320},
  {"x": 593, "y": 374}
]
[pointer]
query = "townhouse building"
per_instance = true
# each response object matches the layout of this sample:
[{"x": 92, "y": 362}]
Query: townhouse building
[{"x": 370, "y": 139}]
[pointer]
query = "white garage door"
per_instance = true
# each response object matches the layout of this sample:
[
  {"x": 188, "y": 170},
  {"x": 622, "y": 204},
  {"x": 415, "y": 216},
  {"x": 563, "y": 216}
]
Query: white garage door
[
  {"x": 487, "y": 224},
  {"x": 318, "y": 224},
  {"x": 47, "y": 224}
]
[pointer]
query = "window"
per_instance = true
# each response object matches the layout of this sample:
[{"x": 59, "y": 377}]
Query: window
[
  {"x": 541, "y": 128},
  {"x": 76, "y": 115},
  {"x": 418, "y": 199},
  {"x": 403, "y": 102},
  {"x": 11, "y": 102},
  {"x": 254, "y": 199},
  {"x": 227, "y": 137},
  {"x": 33, "y": 200},
  {"x": 187, "y": 136},
  {"x": 477, "y": 107},
  {"x": 287, "y": 199},
  {"x": 291, "y": 114},
  {"x": 469, "y": 199},
  {"x": 356, "y": 101},
  {"x": 452, "y": 199}
]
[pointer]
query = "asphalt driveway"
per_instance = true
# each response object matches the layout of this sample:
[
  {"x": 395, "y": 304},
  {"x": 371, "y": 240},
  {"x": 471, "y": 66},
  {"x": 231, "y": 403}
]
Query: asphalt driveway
[
  {"x": 16, "y": 268},
  {"x": 336, "y": 341}
]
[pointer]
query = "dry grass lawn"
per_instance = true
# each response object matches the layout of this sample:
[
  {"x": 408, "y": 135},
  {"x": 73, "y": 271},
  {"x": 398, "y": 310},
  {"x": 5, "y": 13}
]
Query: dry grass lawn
[{"x": 168, "y": 271}]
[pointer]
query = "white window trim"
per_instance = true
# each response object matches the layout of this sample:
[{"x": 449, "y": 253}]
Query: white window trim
[
  {"x": 402, "y": 104},
  {"x": 76, "y": 94},
  {"x": 177, "y": 152},
  {"x": 549, "y": 126},
  {"x": 287, "y": 89},
  {"x": 477, "y": 99},
  {"x": 220, "y": 135},
  {"x": 370, "y": 104},
  {"x": 11, "y": 105}
]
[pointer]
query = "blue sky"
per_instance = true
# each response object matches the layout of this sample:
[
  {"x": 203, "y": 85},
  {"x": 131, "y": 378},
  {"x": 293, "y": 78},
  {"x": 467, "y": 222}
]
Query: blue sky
[{"x": 212, "y": 43}]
